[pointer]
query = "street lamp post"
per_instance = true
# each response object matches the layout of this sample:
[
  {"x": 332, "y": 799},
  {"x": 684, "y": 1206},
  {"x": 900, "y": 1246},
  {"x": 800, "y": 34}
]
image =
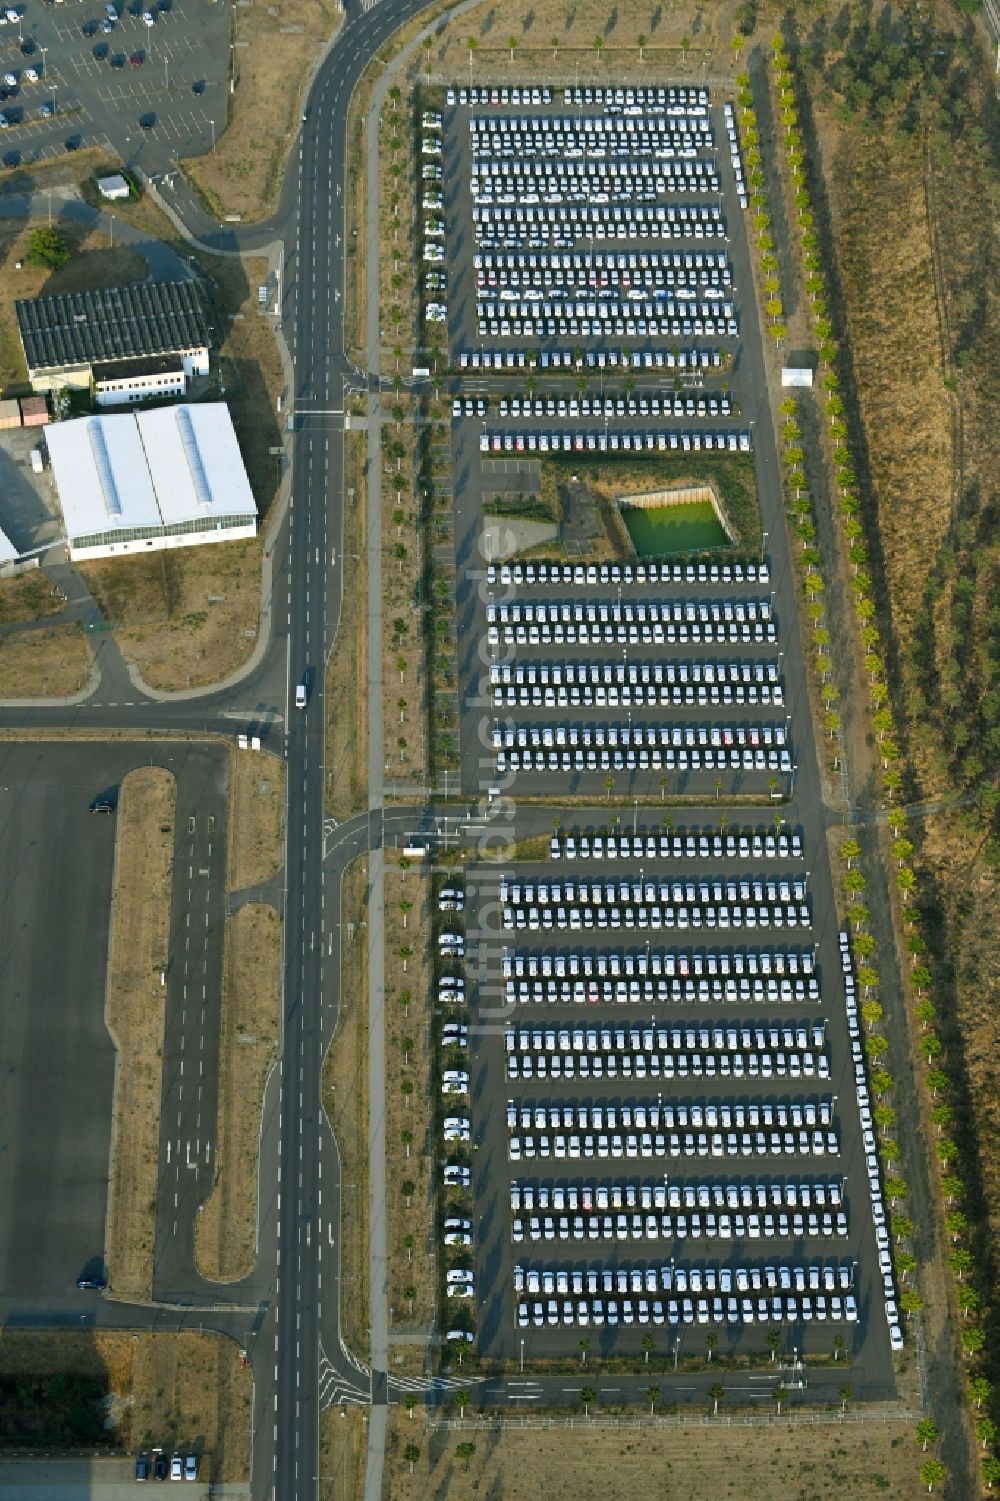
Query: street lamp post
[
  {"x": 212, "y": 123},
  {"x": 522, "y": 1357}
]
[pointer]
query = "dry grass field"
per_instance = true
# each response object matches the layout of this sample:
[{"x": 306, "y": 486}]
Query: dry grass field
[
  {"x": 48, "y": 662},
  {"x": 169, "y": 1389},
  {"x": 343, "y": 1439},
  {"x": 29, "y": 597},
  {"x": 345, "y": 1098},
  {"x": 184, "y": 617},
  {"x": 135, "y": 1019},
  {"x": 275, "y": 47},
  {"x": 226, "y": 1233},
  {"x": 778, "y": 1462},
  {"x": 409, "y": 1097},
  {"x": 256, "y": 818},
  {"x": 347, "y": 672}
]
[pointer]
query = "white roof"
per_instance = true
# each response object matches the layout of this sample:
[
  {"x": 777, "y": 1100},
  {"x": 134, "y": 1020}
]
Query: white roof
[
  {"x": 154, "y": 468},
  {"x": 8, "y": 552},
  {"x": 195, "y": 462},
  {"x": 101, "y": 474}
]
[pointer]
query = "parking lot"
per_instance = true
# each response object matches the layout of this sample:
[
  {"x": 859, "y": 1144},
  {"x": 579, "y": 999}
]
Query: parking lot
[
  {"x": 657, "y": 1110},
  {"x": 148, "y": 81}
]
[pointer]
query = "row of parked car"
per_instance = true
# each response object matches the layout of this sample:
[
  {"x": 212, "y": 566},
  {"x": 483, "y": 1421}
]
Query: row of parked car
[
  {"x": 689, "y": 992},
  {"x": 639, "y": 1146},
  {"x": 524, "y": 695},
  {"x": 634, "y": 917},
  {"x": 883, "y": 1243},
  {"x": 635, "y": 573},
  {"x": 712, "y": 736},
  {"x": 528, "y": 891},
  {"x": 733, "y": 1312},
  {"x": 736, "y": 161},
  {"x": 651, "y": 98},
  {"x": 644, "y": 1116},
  {"x": 159, "y": 1465},
  {"x": 641, "y": 404},
  {"x": 565, "y": 226},
  {"x": 694, "y": 360},
  {"x": 457, "y": 1228},
  {"x": 603, "y": 440},
  {"x": 666, "y": 1066},
  {"x": 599, "y": 181},
  {"x": 726, "y": 1225},
  {"x": 674, "y": 1277},
  {"x": 660, "y": 1194},
  {"x": 603, "y": 268},
  {"x": 589, "y": 963}
]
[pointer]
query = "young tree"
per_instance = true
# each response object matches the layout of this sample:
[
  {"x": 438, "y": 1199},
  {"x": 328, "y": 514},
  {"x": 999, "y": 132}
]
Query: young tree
[
  {"x": 845, "y": 1396},
  {"x": 584, "y": 1347},
  {"x": 409, "y": 1402},
  {"x": 647, "y": 1347},
  {"x": 980, "y": 1391},
  {"x": 711, "y": 1345},
  {"x": 465, "y": 1451},
  {"x": 47, "y": 248},
  {"x": 779, "y": 1394},
  {"x": 462, "y": 1400},
  {"x": 986, "y": 1432},
  {"x": 910, "y": 1302},
  {"x": 927, "y": 1433},
  {"x": 587, "y": 1396},
  {"x": 773, "y": 1343},
  {"x": 411, "y": 1454},
  {"x": 716, "y": 1391},
  {"x": 933, "y": 1473},
  {"x": 652, "y": 1397}
]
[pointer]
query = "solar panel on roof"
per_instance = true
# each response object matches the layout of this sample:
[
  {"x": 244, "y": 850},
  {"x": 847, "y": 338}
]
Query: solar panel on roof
[{"x": 118, "y": 323}]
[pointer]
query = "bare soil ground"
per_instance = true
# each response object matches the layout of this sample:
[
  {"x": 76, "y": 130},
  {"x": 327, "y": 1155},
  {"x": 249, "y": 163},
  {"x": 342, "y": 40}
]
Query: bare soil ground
[
  {"x": 135, "y": 1018},
  {"x": 274, "y": 50},
  {"x": 256, "y": 818},
  {"x": 48, "y": 662},
  {"x": 345, "y": 1097},
  {"x": 170, "y": 1389},
  {"x": 347, "y": 673},
  {"x": 29, "y": 597},
  {"x": 226, "y": 1233},
  {"x": 94, "y": 264},
  {"x": 779, "y": 1462}
]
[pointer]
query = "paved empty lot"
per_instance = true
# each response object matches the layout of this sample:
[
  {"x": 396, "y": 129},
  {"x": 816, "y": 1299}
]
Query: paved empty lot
[{"x": 57, "y": 1058}]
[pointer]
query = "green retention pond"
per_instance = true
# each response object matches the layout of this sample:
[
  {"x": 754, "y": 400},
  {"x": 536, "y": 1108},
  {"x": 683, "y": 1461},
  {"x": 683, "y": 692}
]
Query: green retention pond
[{"x": 657, "y": 531}]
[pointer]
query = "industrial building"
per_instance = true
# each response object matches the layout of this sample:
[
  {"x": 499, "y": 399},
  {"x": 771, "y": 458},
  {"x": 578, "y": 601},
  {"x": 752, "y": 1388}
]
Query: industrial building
[
  {"x": 171, "y": 476},
  {"x": 65, "y": 337}
]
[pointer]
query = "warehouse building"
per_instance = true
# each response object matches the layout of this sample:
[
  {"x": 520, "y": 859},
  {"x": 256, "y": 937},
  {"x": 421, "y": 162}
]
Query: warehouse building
[
  {"x": 172, "y": 476},
  {"x": 65, "y": 337}
]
